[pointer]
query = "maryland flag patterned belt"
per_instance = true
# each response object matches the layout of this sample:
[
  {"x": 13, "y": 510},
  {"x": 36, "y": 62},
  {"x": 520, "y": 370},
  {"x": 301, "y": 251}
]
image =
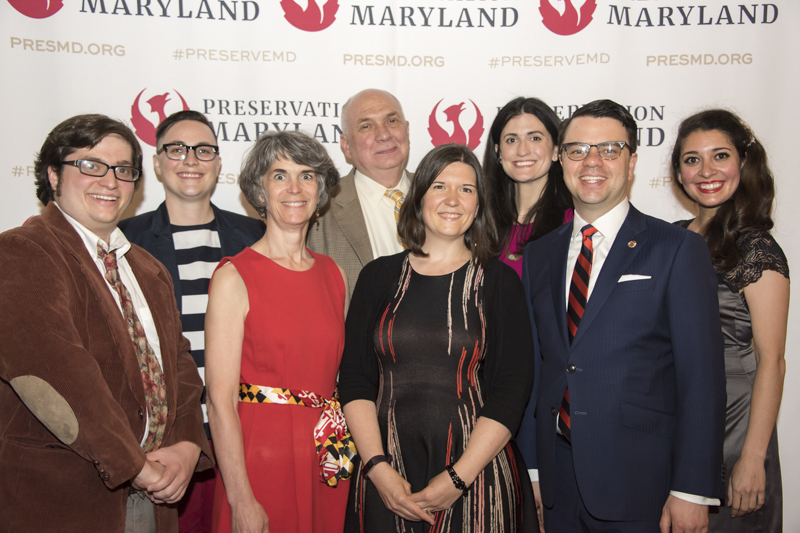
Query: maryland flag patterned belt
[{"x": 335, "y": 447}]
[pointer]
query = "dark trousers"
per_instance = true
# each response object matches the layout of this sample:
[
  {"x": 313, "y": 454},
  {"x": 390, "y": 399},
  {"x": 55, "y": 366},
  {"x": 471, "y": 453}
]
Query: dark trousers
[{"x": 569, "y": 514}]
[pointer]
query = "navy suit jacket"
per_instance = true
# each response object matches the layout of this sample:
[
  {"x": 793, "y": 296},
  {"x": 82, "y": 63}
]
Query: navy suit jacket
[
  {"x": 645, "y": 371},
  {"x": 152, "y": 232}
]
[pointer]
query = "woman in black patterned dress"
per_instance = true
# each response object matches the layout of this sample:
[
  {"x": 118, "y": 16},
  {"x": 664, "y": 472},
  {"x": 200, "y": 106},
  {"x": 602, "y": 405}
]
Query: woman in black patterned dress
[
  {"x": 720, "y": 165},
  {"x": 438, "y": 367}
]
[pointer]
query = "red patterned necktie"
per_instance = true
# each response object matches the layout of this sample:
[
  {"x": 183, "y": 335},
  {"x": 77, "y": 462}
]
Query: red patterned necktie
[
  {"x": 578, "y": 294},
  {"x": 153, "y": 379}
]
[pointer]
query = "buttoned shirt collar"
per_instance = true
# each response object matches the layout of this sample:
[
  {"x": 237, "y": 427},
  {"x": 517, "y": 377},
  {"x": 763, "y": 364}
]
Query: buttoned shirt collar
[
  {"x": 373, "y": 193},
  {"x": 607, "y": 225},
  {"x": 116, "y": 241}
]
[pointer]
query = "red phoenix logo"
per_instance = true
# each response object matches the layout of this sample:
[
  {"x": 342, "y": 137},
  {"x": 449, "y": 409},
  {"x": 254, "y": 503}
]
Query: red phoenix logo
[
  {"x": 312, "y": 19},
  {"x": 439, "y": 135},
  {"x": 37, "y": 9},
  {"x": 569, "y": 22},
  {"x": 144, "y": 129}
]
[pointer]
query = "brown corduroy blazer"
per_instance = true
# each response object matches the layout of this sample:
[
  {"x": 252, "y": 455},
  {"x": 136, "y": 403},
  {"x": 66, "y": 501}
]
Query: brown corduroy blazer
[{"x": 71, "y": 397}]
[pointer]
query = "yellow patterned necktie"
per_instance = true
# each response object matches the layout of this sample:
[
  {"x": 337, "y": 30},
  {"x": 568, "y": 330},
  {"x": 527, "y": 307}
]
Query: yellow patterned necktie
[{"x": 397, "y": 196}]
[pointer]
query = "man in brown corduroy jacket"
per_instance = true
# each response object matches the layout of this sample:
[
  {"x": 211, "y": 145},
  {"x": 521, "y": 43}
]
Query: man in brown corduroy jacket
[{"x": 78, "y": 407}]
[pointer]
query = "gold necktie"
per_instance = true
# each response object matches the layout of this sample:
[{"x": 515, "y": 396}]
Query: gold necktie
[{"x": 396, "y": 195}]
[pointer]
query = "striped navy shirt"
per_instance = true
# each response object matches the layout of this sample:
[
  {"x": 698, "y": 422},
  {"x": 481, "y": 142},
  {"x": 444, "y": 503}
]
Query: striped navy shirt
[{"x": 197, "y": 251}]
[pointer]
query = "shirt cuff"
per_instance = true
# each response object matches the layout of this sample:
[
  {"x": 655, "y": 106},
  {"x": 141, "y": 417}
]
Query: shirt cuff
[
  {"x": 533, "y": 473},
  {"x": 692, "y": 498}
]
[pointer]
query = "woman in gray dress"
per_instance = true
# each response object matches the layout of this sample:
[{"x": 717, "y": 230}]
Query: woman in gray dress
[{"x": 720, "y": 165}]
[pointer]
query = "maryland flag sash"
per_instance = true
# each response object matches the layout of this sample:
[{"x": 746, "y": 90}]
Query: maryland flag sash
[{"x": 335, "y": 446}]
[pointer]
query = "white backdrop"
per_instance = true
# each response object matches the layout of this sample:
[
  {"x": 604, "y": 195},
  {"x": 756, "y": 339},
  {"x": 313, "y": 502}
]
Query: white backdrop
[{"x": 253, "y": 65}]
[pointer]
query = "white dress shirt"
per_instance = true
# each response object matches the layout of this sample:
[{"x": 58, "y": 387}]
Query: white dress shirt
[
  {"x": 378, "y": 212},
  {"x": 119, "y": 243},
  {"x": 607, "y": 227}
]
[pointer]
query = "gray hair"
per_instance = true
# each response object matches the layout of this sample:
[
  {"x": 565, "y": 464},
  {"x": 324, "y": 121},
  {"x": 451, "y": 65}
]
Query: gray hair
[{"x": 295, "y": 145}]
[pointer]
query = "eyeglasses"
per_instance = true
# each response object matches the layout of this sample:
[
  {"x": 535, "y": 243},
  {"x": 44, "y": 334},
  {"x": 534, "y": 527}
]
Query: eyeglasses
[
  {"x": 179, "y": 151},
  {"x": 98, "y": 169},
  {"x": 608, "y": 150}
]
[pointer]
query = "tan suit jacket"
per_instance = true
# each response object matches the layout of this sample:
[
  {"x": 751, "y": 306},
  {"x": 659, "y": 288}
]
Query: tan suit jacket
[
  {"x": 341, "y": 230},
  {"x": 71, "y": 395}
]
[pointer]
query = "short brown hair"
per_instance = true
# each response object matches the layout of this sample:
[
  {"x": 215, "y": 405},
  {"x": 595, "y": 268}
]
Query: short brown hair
[
  {"x": 481, "y": 237},
  {"x": 81, "y": 131}
]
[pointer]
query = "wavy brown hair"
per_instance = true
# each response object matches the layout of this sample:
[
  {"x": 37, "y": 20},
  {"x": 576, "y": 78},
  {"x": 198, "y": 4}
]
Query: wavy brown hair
[
  {"x": 750, "y": 206},
  {"x": 81, "y": 131}
]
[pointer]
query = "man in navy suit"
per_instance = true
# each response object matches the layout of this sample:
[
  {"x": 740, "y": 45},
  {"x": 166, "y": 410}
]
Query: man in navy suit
[{"x": 625, "y": 426}]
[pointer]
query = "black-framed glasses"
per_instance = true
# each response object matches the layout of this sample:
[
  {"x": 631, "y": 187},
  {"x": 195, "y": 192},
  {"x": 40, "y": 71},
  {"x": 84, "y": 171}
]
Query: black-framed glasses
[
  {"x": 608, "y": 150},
  {"x": 179, "y": 151},
  {"x": 98, "y": 169}
]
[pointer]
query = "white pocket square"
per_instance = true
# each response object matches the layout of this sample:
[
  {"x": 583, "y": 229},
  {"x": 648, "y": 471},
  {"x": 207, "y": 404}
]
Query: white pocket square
[{"x": 632, "y": 277}]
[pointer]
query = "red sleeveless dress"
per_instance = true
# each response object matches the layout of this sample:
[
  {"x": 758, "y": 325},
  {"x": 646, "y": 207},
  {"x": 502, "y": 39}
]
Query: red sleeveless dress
[{"x": 293, "y": 339}]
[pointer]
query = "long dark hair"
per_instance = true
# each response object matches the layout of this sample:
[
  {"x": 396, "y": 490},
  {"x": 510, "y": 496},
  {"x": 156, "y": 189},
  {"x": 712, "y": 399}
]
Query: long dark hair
[
  {"x": 750, "y": 206},
  {"x": 481, "y": 237},
  {"x": 548, "y": 211}
]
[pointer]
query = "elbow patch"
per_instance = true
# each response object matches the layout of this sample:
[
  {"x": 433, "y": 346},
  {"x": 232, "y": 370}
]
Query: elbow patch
[{"x": 46, "y": 404}]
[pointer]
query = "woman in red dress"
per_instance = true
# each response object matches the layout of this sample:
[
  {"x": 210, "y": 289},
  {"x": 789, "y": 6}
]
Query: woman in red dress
[{"x": 274, "y": 339}]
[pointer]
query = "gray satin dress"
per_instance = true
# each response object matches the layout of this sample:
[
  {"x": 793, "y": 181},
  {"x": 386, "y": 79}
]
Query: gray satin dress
[{"x": 759, "y": 252}]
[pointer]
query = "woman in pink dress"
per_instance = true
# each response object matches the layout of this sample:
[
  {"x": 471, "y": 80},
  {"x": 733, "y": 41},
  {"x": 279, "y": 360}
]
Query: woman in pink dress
[
  {"x": 521, "y": 164},
  {"x": 274, "y": 339}
]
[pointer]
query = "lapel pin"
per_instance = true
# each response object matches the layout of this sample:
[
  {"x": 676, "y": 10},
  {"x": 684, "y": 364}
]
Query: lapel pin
[{"x": 632, "y": 244}]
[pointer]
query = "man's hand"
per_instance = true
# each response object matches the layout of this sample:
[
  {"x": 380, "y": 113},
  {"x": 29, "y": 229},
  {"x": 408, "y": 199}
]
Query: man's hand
[
  {"x": 680, "y": 516},
  {"x": 537, "y": 496},
  {"x": 179, "y": 461}
]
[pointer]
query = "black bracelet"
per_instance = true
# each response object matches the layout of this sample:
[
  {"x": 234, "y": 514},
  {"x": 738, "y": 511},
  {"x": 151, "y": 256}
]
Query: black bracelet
[
  {"x": 457, "y": 481},
  {"x": 378, "y": 459}
]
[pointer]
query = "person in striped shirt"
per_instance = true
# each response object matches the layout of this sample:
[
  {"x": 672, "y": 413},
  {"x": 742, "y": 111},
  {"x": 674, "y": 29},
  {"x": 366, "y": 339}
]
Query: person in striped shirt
[{"x": 190, "y": 235}]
